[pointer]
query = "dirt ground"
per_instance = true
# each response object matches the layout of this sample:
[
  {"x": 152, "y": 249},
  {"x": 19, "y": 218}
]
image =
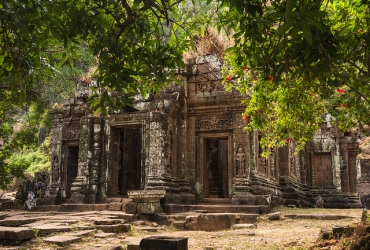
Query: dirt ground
[{"x": 281, "y": 234}]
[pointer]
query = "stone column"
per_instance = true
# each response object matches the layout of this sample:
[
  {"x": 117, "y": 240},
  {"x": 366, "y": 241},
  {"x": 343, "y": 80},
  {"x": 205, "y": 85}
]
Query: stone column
[
  {"x": 352, "y": 154},
  {"x": 56, "y": 159},
  {"x": 96, "y": 158},
  {"x": 344, "y": 168},
  {"x": 157, "y": 176}
]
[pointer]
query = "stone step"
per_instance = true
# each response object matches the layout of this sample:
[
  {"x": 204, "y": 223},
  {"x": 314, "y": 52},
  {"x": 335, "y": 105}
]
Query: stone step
[
  {"x": 243, "y": 226},
  {"x": 249, "y": 209},
  {"x": 105, "y": 235},
  {"x": 62, "y": 240},
  {"x": 51, "y": 228},
  {"x": 15, "y": 235},
  {"x": 117, "y": 228},
  {"x": 214, "y": 201},
  {"x": 317, "y": 216},
  {"x": 82, "y": 233}
]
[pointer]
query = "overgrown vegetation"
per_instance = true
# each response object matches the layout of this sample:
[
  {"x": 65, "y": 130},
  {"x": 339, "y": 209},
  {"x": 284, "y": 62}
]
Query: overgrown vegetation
[
  {"x": 25, "y": 129},
  {"x": 293, "y": 59}
]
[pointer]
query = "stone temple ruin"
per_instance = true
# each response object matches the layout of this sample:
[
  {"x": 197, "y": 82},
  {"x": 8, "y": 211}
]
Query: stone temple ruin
[{"x": 187, "y": 143}]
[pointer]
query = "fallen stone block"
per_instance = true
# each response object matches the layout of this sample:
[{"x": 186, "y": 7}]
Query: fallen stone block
[
  {"x": 164, "y": 242},
  {"x": 339, "y": 232},
  {"x": 274, "y": 216},
  {"x": 133, "y": 245},
  {"x": 324, "y": 234},
  {"x": 62, "y": 240},
  {"x": 210, "y": 222}
]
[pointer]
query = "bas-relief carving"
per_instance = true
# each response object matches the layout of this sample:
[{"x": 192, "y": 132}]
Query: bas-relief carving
[
  {"x": 55, "y": 170},
  {"x": 312, "y": 165},
  {"x": 217, "y": 122},
  {"x": 156, "y": 149},
  {"x": 240, "y": 161},
  {"x": 208, "y": 86},
  {"x": 71, "y": 133},
  {"x": 169, "y": 151},
  {"x": 272, "y": 163},
  {"x": 262, "y": 165}
]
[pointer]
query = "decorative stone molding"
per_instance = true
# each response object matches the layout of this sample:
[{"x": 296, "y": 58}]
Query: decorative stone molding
[{"x": 217, "y": 122}]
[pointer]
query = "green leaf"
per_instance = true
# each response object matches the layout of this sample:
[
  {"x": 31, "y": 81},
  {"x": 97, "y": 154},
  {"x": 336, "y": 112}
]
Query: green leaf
[
  {"x": 2, "y": 57},
  {"x": 306, "y": 32},
  {"x": 313, "y": 22},
  {"x": 289, "y": 5},
  {"x": 285, "y": 27},
  {"x": 56, "y": 34}
]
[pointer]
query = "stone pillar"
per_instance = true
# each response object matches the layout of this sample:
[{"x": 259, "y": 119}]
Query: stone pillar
[
  {"x": 344, "y": 168},
  {"x": 157, "y": 176},
  {"x": 352, "y": 154},
  {"x": 96, "y": 158},
  {"x": 56, "y": 158}
]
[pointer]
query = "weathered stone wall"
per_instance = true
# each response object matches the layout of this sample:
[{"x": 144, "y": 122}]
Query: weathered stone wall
[{"x": 190, "y": 142}]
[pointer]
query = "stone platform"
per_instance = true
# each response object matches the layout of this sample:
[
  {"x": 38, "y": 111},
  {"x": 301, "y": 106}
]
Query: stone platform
[{"x": 108, "y": 228}]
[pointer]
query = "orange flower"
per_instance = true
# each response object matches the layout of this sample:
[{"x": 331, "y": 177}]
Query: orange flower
[
  {"x": 229, "y": 78},
  {"x": 344, "y": 105},
  {"x": 271, "y": 78},
  {"x": 287, "y": 140},
  {"x": 245, "y": 117}
]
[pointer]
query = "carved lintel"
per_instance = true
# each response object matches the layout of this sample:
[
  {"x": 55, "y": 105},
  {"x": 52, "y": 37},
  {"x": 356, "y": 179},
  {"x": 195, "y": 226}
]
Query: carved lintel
[
  {"x": 71, "y": 133},
  {"x": 217, "y": 122}
]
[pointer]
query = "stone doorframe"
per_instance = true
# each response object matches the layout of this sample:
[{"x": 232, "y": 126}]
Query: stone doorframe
[
  {"x": 201, "y": 160},
  {"x": 111, "y": 190}
]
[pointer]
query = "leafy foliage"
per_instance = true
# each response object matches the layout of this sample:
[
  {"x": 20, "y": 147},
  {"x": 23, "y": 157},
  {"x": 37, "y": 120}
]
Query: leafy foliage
[{"x": 296, "y": 60}]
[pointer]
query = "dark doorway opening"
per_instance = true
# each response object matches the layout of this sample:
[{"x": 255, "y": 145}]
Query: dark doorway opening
[
  {"x": 124, "y": 161},
  {"x": 72, "y": 168},
  {"x": 215, "y": 181}
]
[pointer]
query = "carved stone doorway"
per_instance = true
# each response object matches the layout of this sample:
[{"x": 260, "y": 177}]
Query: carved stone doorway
[
  {"x": 215, "y": 165},
  {"x": 124, "y": 165},
  {"x": 323, "y": 170},
  {"x": 71, "y": 168}
]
